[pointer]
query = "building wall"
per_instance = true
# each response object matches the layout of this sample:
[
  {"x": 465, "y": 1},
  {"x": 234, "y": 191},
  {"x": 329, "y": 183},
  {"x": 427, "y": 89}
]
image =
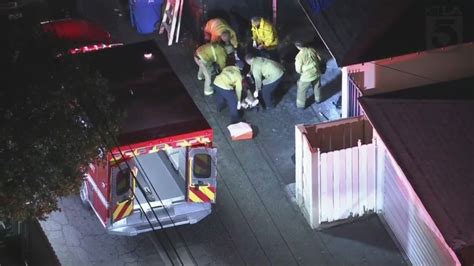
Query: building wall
[
  {"x": 428, "y": 67},
  {"x": 416, "y": 69},
  {"x": 406, "y": 216},
  {"x": 407, "y": 71}
]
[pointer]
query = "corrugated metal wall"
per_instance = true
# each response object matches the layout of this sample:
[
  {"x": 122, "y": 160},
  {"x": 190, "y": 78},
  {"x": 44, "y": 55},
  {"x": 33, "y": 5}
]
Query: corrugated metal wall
[{"x": 408, "y": 219}]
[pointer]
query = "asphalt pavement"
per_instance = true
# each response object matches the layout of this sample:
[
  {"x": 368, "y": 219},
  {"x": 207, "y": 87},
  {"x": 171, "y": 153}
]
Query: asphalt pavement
[{"x": 254, "y": 220}]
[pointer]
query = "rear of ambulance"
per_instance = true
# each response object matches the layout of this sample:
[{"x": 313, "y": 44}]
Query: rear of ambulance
[{"x": 163, "y": 185}]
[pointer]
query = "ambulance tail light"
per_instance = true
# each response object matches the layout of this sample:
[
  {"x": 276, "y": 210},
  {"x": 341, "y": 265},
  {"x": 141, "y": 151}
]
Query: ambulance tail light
[{"x": 202, "y": 174}]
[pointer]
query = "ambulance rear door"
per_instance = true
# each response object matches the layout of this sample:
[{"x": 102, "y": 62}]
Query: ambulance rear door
[
  {"x": 122, "y": 190},
  {"x": 202, "y": 175}
]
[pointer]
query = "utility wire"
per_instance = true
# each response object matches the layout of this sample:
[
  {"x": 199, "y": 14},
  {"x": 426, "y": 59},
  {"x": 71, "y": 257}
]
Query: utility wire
[
  {"x": 139, "y": 185},
  {"x": 142, "y": 190},
  {"x": 242, "y": 212},
  {"x": 142, "y": 210},
  {"x": 166, "y": 210},
  {"x": 247, "y": 223},
  {"x": 144, "y": 213},
  {"x": 261, "y": 200},
  {"x": 405, "y": 72},
  {"x": 263, "y": 203}
]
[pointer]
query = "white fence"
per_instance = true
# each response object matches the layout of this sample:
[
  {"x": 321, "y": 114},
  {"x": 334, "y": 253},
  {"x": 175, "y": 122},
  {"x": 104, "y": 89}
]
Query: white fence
[
  {"x": 343, "y": 171},
  {"x": 335, "y": 170}
]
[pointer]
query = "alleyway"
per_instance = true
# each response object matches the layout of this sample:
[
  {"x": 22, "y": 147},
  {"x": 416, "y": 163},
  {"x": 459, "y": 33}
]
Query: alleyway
[{"x": 254, "y": 220}]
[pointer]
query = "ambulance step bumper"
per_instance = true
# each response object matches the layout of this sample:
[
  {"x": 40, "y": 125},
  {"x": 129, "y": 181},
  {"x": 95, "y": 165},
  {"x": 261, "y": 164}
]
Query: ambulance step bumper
[{"x": 185, "y": 213}]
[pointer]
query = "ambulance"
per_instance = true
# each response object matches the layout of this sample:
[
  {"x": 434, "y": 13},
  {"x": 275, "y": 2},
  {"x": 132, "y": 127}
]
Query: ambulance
[{"x": 162, "y": 171}]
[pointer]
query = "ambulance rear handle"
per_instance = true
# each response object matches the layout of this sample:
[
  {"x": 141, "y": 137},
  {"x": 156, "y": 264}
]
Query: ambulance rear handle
[{"x": 199, "y": 184}]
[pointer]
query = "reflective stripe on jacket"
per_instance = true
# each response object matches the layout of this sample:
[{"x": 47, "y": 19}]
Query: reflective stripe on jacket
[
  {"x": 306, "y": 64},
  {"x": 215, "y": 27},
  {"x": 265, "y": 71},
  {"x": 212, "y": 52},
  {"x": 230, "y": 79},
  {"x": 265, "y": 34}
]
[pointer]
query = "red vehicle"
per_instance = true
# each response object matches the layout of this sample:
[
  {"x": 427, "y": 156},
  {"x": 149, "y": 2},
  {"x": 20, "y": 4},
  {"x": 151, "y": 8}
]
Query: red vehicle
[
  {"x": 163, "y": 169},
  {"x": 83, "y": 35},
  {"x": 77, "y": 30}
]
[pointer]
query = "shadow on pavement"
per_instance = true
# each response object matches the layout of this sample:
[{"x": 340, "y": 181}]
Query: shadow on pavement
[{"x": 356, "y": 231}]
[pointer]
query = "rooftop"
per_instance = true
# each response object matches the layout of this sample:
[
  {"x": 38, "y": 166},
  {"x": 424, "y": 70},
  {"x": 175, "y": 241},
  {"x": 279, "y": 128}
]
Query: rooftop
[
  {"x": 374, "y": 29},
  {"x": 155, "y": 101},
  {"x": 429, "y": 132}
]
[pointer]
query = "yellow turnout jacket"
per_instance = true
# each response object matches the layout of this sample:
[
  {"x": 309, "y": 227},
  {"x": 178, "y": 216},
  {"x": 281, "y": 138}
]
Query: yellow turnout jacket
[
  {"x": 265, "y": 34},
  {"x": 230, "y": 79},
  {"x": 212, "y": 52},
  {"x": 265, "y": 71},
  {"x": 306, "y": 64}
]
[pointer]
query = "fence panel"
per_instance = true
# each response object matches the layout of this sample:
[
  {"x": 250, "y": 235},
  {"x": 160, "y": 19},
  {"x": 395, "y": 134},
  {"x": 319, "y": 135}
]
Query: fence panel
[
  {"x": 371, "y": 177},
  {"x": 362, "y": 178},
  {"x": 343, "y": 192},
  {"x": 335, "y": 170},
  {"x": 306, "y": 166},
  {"x": 355, "y": 181},
  {"x": 324, "y": 196},
  {"x": 347, "y": 180},
  {"x": 337, "y": 190}
]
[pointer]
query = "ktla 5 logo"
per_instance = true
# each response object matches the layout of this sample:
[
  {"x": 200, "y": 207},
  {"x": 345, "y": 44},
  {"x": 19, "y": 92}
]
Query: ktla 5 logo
[{"x": 443, "y": 25}]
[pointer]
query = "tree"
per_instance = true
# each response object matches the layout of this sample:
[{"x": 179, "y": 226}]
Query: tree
[{"x": 55, "y": 114}]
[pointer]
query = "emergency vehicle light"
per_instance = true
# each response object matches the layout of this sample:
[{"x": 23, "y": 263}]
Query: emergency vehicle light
[{"x": 95, "y": 47}]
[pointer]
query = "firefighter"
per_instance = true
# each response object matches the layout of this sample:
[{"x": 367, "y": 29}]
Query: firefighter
[
  {"x": 307, "y": 65},
  {"x": 218, "y": 30},
  {"x": 267, "y": 75},
  {"x": 265, "y": 38},
  {"x": 207, "y": 56},
  {"x": 228, "y": 88}
]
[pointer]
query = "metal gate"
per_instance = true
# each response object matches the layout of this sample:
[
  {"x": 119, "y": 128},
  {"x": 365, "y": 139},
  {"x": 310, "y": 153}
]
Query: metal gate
[{"x": 354, "y": 94}]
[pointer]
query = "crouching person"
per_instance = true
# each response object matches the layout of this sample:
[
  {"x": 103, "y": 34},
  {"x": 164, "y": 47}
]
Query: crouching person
[
  {"x": 217, "y": 30},
  {"x": 228, "y": 88},
  {"x": 265, "y": 38},
  {"x": 206, "y": 57},
  {"x": 267, "y": 75}
]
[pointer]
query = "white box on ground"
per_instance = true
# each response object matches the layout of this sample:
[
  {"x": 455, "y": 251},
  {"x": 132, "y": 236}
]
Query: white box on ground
[{"x": 240, "y": 131}]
